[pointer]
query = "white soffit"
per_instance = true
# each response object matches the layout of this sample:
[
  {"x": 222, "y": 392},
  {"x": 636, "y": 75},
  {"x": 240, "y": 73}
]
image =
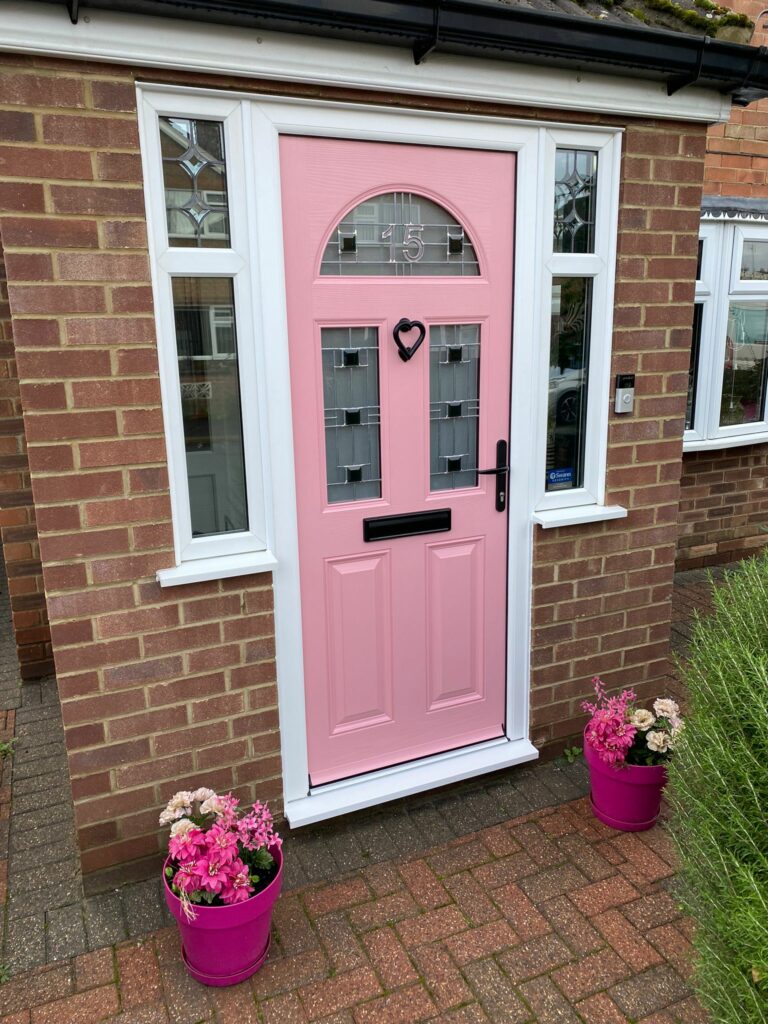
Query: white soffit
[{"x": 194, "y": 46}]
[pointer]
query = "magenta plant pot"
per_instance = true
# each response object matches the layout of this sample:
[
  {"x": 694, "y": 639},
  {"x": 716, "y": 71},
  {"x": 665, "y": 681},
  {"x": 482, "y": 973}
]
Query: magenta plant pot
[
  {"x": 626, "y": 797},
  {"x": 226, "y": 945}
]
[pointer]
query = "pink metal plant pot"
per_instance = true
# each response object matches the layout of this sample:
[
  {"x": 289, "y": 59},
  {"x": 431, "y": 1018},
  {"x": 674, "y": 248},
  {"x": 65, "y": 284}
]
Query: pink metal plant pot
[
  {"x": 226, "y": 945},
  {"x": 626, "y": 797}
]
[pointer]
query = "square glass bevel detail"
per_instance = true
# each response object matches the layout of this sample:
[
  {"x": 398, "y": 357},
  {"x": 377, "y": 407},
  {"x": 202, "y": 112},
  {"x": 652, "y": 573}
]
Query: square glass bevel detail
[
  {"x": 454, "y": 405},
  {"x": 350, "y": 363}
]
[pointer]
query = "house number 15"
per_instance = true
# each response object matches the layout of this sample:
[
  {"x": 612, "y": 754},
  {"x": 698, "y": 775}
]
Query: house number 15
[{"x": 413, "y": 246}]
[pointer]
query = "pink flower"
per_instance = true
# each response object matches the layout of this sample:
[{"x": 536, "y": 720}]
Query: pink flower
[
  {"x": 609, "y": 731},
  {"x": 212, "y": 873},
  {"x": 256, "y": 829},
  {"x": 238, "y": 887},
  {"x": 187, "y": 878},
  {"x": 187, "y": 845},
  {"x": 222, "y": 843}
]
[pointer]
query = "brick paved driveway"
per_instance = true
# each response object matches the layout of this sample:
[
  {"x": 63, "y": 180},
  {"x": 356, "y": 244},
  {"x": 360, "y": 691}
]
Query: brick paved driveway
[{"x": 548, "y": 917}]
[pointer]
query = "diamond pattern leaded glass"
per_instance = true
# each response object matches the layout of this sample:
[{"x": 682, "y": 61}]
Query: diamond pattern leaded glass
[
  {"x": 399, "y": 234},
  {"x": 454, "y": 405},
  {"x": 352, "y": 412},
  {"x": 195, "y": 178},
  {"x": 575, "y": 190}
]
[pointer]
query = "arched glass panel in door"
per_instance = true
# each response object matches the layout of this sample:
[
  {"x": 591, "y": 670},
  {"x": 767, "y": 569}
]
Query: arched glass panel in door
[{"x": 399, "y": 234}]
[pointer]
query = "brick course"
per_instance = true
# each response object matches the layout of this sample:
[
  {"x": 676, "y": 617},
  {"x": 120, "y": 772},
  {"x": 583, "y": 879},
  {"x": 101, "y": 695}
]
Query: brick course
[{"x": 161, "y": 688}]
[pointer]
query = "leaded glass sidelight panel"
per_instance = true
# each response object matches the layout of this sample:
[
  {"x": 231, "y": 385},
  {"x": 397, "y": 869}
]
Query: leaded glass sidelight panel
[
  {"x": 352, "y": 412},
  {"x": 195, "y": 179},
  {"x": 693, "y": 368},
  {"x": 206, "y": 346},
  {"x": 575, "y": 192},
  {"x": 568, "y": 370},
  {"x": 454, "y": 405},
  {"x": 399, "y": 234},
  {"x": 744, "y": 377},
  {"x": 754, "y": 261}
]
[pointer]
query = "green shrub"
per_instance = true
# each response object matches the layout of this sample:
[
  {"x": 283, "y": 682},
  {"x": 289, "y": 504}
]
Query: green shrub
[{"x": 719, "y": 792}]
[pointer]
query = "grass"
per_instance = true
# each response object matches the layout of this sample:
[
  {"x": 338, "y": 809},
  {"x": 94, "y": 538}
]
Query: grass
[{"x": 719, "y": 791}]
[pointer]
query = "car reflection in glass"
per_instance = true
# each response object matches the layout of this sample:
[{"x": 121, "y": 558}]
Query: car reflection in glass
[{"x": 565, "y": 395}]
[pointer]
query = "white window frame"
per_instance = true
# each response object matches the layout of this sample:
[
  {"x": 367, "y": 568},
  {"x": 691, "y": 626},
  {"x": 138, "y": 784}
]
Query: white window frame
[
  {"x": 718, "y": 285},
  {"x": 586, "y": 502},
  {"x": 250, "y": 547}
]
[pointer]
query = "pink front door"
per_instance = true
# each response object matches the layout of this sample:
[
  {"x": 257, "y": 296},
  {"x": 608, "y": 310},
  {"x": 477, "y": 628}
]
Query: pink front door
[{"x": 402, "y": 544}]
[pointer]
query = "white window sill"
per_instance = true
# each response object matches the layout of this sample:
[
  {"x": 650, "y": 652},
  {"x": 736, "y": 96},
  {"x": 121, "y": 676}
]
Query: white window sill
[
  {"x": 216, "y": 568},
  {"x": 716, "y": 443},
  {"x": 549, "y": 518}
]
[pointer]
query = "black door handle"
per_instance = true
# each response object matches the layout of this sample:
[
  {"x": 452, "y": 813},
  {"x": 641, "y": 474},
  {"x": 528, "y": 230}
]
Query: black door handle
[{"x": 501, "y": 472}]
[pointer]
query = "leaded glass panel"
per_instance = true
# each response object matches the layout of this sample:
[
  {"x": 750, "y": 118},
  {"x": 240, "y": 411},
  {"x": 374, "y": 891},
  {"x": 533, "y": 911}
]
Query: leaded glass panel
[
  {"x": 575, "y": 191},
  {"x": 195, "y": 178},
  {"x": 454, "y": 405},
  {"x": 693, "y": 368},
  {"x": 744, "y": 374},
  {"x": 352, "y": 412},
  {"x": 206, "y": 346},
  {"x": 568, "y": 370},
  {"x": 399, "y": 234}
]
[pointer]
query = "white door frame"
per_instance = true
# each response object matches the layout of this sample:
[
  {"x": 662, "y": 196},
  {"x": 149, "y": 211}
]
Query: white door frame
[{"x": 264, "y": 119}]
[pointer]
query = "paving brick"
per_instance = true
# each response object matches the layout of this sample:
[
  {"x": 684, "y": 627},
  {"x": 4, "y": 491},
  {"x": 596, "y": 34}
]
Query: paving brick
[
  {"x": 650, "y": 866},
  {"x": 186, "y": 999},
  {"x": 340, "y": 943},
  {"x": 472, "y": 1014},
  {"x": 674, "y": 947},
  {"x": 590, "y": 861},
  {"x": 339, "y": 993},
  {"x": 92, "y": 969},
  {"x": 505, "y": 870},
  {"x": 471, "y": 899},
  {"x": 409, "y": 1006},
  {"x": 292, "y": 926},
  {"x": 547, "y": 1003},
  {"x": 600, "y": 1009},
  {"x": 431, "y": 927},
  {"x": 653, "y": 909},
  {"x": 387, "y": 910},
  {"x": 285, "y": 1009},
  {"x": 646, "y": 993},
  {"x": 600, "y": 896},
  {"x": 536, "y": 956},
  {"x": 499, "y": 840},
  {"x": 388, "y": 957},
  {"x": 496, "y": 993},
  {"x": 93, "y": 1005},
  {"x": 537, "y": 844},
  {"x": 520, "y": 911},
  {"x": 571, "y": 925},
  {"x": 383, "y": 879},
  {"x": 459, "y": 857},
  {"x": 336, "y": 897},
  {"x": 480, "y": 942},
  {"x": 591, "y": 974},
  {"x": 553, "y": 882},
  {"x": 423, "y": 884},
  {"x": 441, "y": 976},
  {"x": 104, "y": 921},
  {"x": 626, "y": 940},
  {"x": 289, "y": 973},
  {"x": 139, "y": 975},
  {"x": 65, "y": 932},
  {"x": 35, "y": 988}
]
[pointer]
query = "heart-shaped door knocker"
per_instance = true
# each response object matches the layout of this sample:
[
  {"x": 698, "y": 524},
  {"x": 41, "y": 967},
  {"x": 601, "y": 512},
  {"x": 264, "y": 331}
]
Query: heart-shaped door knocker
[{"x": 404, "y": 351}]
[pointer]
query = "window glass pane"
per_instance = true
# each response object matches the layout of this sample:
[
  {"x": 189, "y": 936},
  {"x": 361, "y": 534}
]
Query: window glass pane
[
  {"x": 399, "y": 234},
  {"x": 210, "y": 402},
  {"x": 568, "y": 367},
  {"x": 454, "y": 405},
  {"x": 352, "y": 413},
  {"x": 699, "y": 259},
  {"x": 746, "y": 346},
  {"x": 195, "y": 178},
  {"x": 754, "y": 261},
  {"x": 693, "y": 369},
  {"x": 575, "y": 190}
]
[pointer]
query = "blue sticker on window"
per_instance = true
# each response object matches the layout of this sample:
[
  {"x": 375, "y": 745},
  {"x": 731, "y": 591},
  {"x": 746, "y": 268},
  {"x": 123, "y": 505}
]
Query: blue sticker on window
[{"x": 559, "y": 477}]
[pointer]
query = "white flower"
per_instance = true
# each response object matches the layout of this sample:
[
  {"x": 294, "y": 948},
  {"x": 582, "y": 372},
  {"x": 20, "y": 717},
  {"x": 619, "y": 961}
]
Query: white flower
[
  {"x": 642, "y": 719},
  {"x": 665, "y": 708},
  {"x": 178, "y": 806},
  {"x": 203, "y": 794},
  {"x": 658, "y": 741},
  {"x": 182, "y": 826},
  {"x": 213, "y": 805},
  {"x": 677, "y": 725}
]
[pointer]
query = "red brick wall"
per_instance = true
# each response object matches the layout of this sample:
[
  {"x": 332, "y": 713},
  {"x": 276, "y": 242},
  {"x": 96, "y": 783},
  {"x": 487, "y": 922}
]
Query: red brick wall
[
  {"x": 18, "y": 532},
  {"x": 602, "y": 592},
  {"x": 164, "y": 687},
  {"x": 724, "y": 505},
  {"x": 159, "y": 688}
]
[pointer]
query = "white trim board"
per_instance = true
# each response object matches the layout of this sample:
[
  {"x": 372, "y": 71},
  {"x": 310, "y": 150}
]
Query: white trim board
[{"x": 142, "y": 41}]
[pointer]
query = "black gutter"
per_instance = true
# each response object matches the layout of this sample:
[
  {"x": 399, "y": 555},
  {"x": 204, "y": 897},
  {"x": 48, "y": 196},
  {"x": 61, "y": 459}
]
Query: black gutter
[{"x": 487, "y": 28}]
